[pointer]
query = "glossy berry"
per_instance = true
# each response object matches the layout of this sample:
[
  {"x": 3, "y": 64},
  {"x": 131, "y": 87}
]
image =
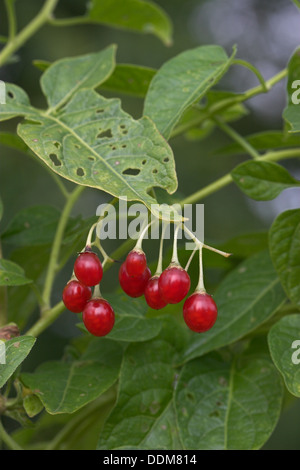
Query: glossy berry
[
  {"x": 98, "y": 317},
  {"x": 152, "y": 294},
  {"x": 136, "y": 263},
  {"x": 76, "y": 295},
  {"x": 200, "y": 312},
  {"x": 174, "y": 284},
  {"x": 88, "y": 268},
  {"x": 133, "y": 286}
]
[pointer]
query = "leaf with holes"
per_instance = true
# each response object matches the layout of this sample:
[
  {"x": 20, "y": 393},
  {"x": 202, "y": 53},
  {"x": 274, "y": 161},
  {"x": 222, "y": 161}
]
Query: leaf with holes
[
  {"x": 64, "y": 387},
  {"x": 262, "y": 181},
  {"x": 284, "y": 344},
  {"x": 284, "y": 242},
  {"x": 14, "y": 351},
  {"x": 247, "y": 297},
  {"x": 228, "y": 405},
  {"x": 181, "y": 82}
]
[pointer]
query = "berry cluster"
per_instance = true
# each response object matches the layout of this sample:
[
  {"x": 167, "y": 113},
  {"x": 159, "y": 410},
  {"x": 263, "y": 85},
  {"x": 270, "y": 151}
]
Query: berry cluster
[
  {"x": 169, "y": 287},
  {"x": 97, "y": 314}
]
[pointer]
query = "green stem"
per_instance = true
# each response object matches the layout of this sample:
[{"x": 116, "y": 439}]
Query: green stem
[
  {"x": 53, "y": 263},
  {"x": 69, "y": 21},
  {"x": 30, "y": 29},
  {"x": 227, "y": 179},
  {"x": 237, "y": 138},
  {"x": 253, "y": 69},
  {"x": 5, "y": 437},
  {"x": 11, "y": 16},
  {"x": 46, "y": 320}
]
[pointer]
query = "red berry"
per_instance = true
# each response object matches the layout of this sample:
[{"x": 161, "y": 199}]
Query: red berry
[
  {"x": 136, "y": 263},
  {"x": 133, "y": 286},
  {"x": 75, "y": 296},
  {"x": 200, "y": 312},
  {"x": 152, "y": 294},
  {"x": 98, "y": 317},
  {"x": 88, "y": 268},
  {"x": 174, "y": 284}
]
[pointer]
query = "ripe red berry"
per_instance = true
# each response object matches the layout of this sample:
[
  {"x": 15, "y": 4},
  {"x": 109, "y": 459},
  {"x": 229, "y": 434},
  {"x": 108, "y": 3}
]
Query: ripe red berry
[
  {"x": 136, "y": 263},
  {"x": 174, "y": 284},
  {"x": 133, "y": 286},
  {"x": 200, "y": 312},
  {"x": 88, "y": 268},
  {"x": 98, "y": 317},
  {"x": 76, "y": 295},
  {"x": 152, "y": 294}
]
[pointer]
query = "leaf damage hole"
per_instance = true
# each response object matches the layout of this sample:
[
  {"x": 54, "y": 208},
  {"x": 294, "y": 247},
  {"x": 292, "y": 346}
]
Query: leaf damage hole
[
  {"x": 166, "y": 160},
  {"x": 92, "y": 159},
  {"x": 131, "y": 171},
  {"x": 125, "y": 132},
  {"x": 122, "y": 126},
  {"x": 144, "y": 162},
  {"x": 57, "y": 145},
  {"x": 10, "y": 94},
  {"x": 101, "y": 110},
  {"x": 155, "y": 171},
  {"x": 77, "y": 146},
  {"x": 106, "y": 133},
  {"x": 55, "y": 160},
  {"x": 124, "y": 146},
  {"x": 80, "y": 172}
]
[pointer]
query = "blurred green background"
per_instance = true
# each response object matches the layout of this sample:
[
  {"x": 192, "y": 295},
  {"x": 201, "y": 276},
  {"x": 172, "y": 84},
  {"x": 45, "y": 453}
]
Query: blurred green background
[{"x": 264, "y": 36}]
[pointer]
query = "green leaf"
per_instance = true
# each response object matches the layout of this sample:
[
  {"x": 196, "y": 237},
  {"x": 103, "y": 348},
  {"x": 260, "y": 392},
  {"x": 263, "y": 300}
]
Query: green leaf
[
  {"x": 67, "y": 76},
  {"x": 228, "y": 405},
  {"x": 16, "y": 350},
  {"x": 247, "y": 297},
  {"x": 297, "y": 3},
  {"x": 32, "y": 405},
  {"x": 32, "y": 226},
  {"x": 11, "y": 274},
  {"x": 181, "y": 82},
  {"x": 1, "y": 209},
  {"x": 284, "y": 242},
  {"x": 291, "y": 113},
  {"x": 263, "y": 141},
  {"x": 142, "y": 417},
  {"x": 64, "y": 387},
  {"x": 262, "y": 181},
  {"x": 130, "y": 80},
  {"x": 131, "y": 325},
  {"x": 136, "y": 15},
  {"x": 17, "y": 104},
  {"x": 284, "y": 344},
  {"x": 13, "y": 141}
]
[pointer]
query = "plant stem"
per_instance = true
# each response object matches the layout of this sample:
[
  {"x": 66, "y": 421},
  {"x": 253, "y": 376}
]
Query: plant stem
[
  {"x": 47, "y": 319},
  {"x": 30, "y": 29},
  {"x": 237, "y": 138},
  {"x": 53, "y": 263},
  {"x": 227, "y": 179},
  {"x": 11, "y": 16},
  {"x": 253, "y": 69},
  {"x": 7, "y": 439}
]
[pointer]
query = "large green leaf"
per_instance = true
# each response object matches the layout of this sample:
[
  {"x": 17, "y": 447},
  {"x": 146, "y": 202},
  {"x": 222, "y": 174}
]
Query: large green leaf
[
  {"x": 246, "y": 298},
  {"x": 64, "y": 387},
  {"x": 181, "y": 82},
  {"x": 66, "y": 76},
  {"x": 291, "y": 113},
  {"x": 91, "y": 140},
  {"x": 137, "y": 15},
  {"x": 284, "y": 241},
  {"x": 262, "y": 181},
  {"x": 228, "y": 405},
  {"x": 270, "y": 140},
  {"x": 142, "y": 418},
  {"x": 284, "y": 344},
  {"x": 16, "y": 350},
  {"x": 11, "y": 274}
]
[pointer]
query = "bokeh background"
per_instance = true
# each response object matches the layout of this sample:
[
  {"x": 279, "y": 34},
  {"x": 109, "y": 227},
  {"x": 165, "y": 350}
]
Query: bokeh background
[{"x": 266, "y": 33}]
